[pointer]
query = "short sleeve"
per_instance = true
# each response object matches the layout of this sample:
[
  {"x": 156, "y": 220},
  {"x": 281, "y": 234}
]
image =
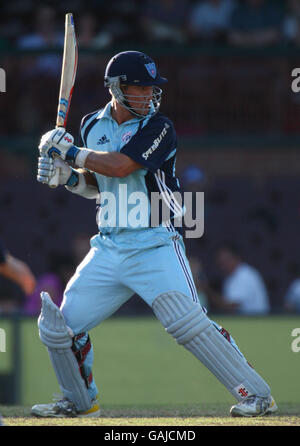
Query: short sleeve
[{"x": 152, "y": 144}]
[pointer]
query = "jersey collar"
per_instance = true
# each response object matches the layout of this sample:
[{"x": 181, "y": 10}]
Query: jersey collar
[{"x": 105, "y": 112}]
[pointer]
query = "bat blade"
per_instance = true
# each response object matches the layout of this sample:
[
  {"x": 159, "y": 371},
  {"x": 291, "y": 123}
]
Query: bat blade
[{"x": 68, "y": 74}]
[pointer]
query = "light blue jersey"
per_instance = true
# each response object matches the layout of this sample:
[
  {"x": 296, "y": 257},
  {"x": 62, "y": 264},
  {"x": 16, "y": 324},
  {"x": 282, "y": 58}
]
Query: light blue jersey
[
  {"x": 125, "y": 259},
  {"x": 125, "y": 203}
]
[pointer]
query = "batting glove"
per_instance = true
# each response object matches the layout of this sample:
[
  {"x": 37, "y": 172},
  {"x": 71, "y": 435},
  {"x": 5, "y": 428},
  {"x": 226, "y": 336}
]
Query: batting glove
[
  {"x": 59, "y": 143},
  {"x": 47, "y": 168}
]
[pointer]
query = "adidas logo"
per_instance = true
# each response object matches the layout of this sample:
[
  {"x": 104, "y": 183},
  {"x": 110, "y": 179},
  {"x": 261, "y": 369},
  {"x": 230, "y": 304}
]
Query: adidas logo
[{"x": 103, "y": 140}]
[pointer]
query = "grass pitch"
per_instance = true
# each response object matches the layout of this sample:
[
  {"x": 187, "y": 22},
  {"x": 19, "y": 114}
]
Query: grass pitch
[
  {"x": 185, "y": 416},
  {"x": 136, "y": 363},
  {"x": 146, "y": 379}
]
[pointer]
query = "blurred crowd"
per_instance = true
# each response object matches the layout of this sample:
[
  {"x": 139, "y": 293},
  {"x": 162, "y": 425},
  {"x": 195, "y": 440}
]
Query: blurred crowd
[
  {"x": 129, "y": 24},
  {"x": 243, "y": 290},
  {"x": 20, "y": 286},
  {"x": 100, "y": 24}
]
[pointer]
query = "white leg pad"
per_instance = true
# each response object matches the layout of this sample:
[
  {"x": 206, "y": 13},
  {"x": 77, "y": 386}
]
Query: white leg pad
[
  {"x": 185, "y": 320},
  {"x": 55, "y": 334}
]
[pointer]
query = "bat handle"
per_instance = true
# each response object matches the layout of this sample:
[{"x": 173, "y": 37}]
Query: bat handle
[{"x": 54, "y": 182}]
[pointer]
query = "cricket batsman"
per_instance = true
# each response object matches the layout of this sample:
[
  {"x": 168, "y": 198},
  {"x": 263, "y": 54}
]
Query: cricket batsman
[{"x": 129, "y": 143}]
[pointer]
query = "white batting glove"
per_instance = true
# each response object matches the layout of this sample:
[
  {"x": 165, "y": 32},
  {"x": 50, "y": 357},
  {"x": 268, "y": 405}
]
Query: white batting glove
[
  {"x": 47, "y": 169},
  {"x": 59, "y": 143}
]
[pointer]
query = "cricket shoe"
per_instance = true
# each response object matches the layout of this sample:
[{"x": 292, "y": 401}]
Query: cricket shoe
[
  {"x": 64, "y": 408},
  {"x": 254, "y": 406}
]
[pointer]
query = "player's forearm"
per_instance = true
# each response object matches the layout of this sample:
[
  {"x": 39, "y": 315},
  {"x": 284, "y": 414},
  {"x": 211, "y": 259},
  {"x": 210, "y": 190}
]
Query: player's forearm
[
  {"x": 16, "y": 270},
  {"x": 9, "y": 269},
  {"x": 59, "y": 143},
  {"x": 112, "y": 164}
]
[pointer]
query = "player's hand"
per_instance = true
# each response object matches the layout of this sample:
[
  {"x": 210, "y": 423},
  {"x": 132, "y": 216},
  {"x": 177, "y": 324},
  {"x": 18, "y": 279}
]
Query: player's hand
[
  {"x": 47, "y": 168},
  {"x": 58, "y": 143}
]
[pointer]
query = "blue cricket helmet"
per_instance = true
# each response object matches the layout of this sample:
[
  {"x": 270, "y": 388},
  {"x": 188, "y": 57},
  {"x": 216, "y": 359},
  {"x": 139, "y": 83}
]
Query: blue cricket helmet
[{"x": 134, "y": 68}]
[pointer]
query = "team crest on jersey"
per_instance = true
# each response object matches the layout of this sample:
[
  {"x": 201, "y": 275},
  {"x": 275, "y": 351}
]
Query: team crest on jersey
[
  {"x": 151, "y": 68},
  {"x": 126, "y": 137}
]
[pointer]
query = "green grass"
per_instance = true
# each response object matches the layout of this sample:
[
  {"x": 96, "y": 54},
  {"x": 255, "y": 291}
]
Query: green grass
[
  {"x": 144, "y": 375},
  {"x": 137, "y": 363}
]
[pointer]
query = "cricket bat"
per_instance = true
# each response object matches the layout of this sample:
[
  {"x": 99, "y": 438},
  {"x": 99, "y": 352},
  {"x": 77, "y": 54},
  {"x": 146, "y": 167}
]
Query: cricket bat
[{"x": 68, "y": 74}]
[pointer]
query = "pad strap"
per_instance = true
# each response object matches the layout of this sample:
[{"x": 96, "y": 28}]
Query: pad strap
[{"x": 80, "y": 355}]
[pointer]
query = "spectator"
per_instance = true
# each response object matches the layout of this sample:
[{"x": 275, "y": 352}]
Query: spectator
[
  {"x": 91, "y": 34},
  {"x": 165, "y": 21},
  {"x": 17, "y": 271},
  {"x": 208, "y": 296},
  {"x": 86, "y": 29},
  {"x": 292, "y": 297},
  {"x": 210, "y": 19},
  {"x": 121, "y": 23},
  {"x": 291, "y": 24},
  {"x": 244, "y": 291},
  {"x": 256, "y": 23},
  {"x": 44, "y": 36},
  {"x": 13, "y": 18}
]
